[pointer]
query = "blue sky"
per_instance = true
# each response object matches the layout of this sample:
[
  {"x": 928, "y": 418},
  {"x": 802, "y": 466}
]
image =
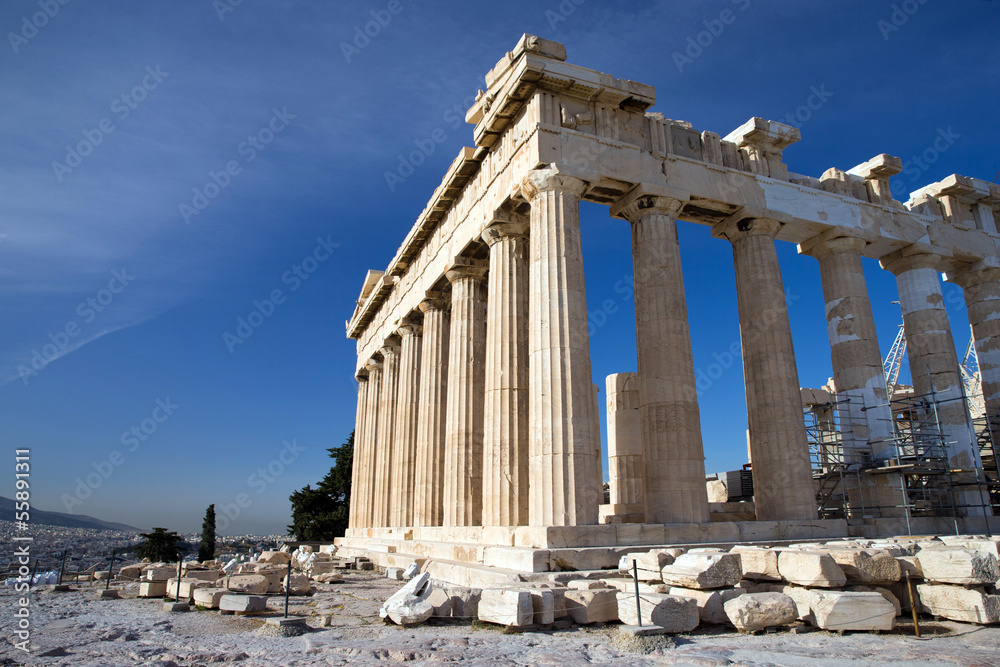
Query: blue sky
[{"x": 207, "y": 158}]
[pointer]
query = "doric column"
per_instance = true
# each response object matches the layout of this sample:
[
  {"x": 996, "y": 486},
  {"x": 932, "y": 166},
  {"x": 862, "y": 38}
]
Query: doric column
[
  {"x": 981, "y": 286},
  {"x": 405, "y": 445},
  {"x": 626, "y": 469},
  {"x": 668, "y": 397},
  {"x": 463, "y": 469},
  {"x": 857, "y": 362},
  {"x": 505, "y": 440},
  {"x": 359, "y": 437},
  {"x": 598, "y": 471},
  {"x": 930, "y": 349},
  {"x": 385, "y": 438},
  {"x": 428, "y": 506},
  {"x": 782, "y": 473},
  {"x": 373, "y": 409},
  {"x": 560, "y": 424}
]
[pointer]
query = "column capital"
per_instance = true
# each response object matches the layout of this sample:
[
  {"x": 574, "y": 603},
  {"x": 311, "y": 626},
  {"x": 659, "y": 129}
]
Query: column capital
[
  {"x": 829, "y": 244},
  {"x": 410, "y": 329},
  {"x": 372, "y": 365},
  {"x": 464, "y": 267},
  {"x": 434, "y": 301},
  {"x": 914, "y": 256},
  {"x": 361, "y": 375},
  {"x": 390, "y": 349},
  {"x": 967, "y": 276},
  {"x": 741, "y": 225},
  {"x": 501, "y": 229},
  {"x": 552, "y": 178},
  {"x": 651, "y": 198}
]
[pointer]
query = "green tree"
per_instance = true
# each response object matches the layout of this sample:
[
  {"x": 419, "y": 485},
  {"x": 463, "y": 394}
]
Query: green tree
[
  {"x": 159, "y": 545},
  {"x": 206, "y": 551},
  {"x": 320, "y": 514}
]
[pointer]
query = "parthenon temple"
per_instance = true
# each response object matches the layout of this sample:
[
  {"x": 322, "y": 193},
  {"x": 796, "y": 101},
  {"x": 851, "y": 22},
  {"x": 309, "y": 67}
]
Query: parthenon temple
[{"x": 477, "y": 439}]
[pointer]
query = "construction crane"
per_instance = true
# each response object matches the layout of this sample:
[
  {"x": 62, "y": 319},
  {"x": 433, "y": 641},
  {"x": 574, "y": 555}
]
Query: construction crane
[
  {"x": 894, "y": 361},
  {"x": 972, "y": 381}
]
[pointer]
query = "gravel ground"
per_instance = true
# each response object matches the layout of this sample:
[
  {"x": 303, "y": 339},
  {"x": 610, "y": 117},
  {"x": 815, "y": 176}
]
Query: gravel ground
[{"x": 75, "y": 629}]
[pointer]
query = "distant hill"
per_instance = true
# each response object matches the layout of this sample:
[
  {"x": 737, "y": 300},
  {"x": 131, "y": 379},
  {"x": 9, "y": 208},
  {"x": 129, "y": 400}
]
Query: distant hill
[{"x": 41, "y": 517}]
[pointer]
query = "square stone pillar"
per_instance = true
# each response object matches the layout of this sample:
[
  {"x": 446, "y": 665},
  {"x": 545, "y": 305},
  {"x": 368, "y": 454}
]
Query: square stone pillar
[
  {"x": 668, "y": 397},
  {"x": 930, "y": 349},
  {"x": 359, "y": 436},
  {"x": 505, "y": 443},
  {"x": 626, "y": 467},
  {"x": 385, "y": 436},
  {"x": 561, "y": 438},
  {"x": 405, "y": 447},
  {"x": 428, "y": 505},
  {"x": 463, "y": 469},
  {"x": 782, "y": 472}
]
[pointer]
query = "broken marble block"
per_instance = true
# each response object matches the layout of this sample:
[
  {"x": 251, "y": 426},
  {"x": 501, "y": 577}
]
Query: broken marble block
[
  {"x": 464, "y": 602},
  {"x": 299, "y": 584},
  {"x": 846, "y": 610},
  {"x": 160, "y": 573},
  {"x": 969, "y": 567},
  {"x": 152, "y": 589},
  {"x": 251, "y": 584},
  {"x": 543, "y": 603},
  {"x": 810, "y": 568},
  {"x": 209, "y": 597},
  {"x": 758, "y": 563},
  {"x": 960, "y": 603},
  {"x": 598, "y": 605},
  {"x": 703, "y": 571},
  {"x": 438, "y": 599},
  {"x": 673, "y": 613},
  {"x": 649, "y": 564},
  {"x": 710, "y": 603},
  {"x": 244, "y": 604},
  {"x": 405, "y": 606},
  {"x": 510, "y": 607},
  {"x": 757, "y": 611},
  {"x": 274, "y": 558},
  {"x": 867, "y": 566}
]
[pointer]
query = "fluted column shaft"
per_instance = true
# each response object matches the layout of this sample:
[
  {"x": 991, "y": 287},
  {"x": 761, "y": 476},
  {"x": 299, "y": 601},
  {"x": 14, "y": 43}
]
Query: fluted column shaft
[
  {"x": 385, "y": 440},
  {"x": 428, "y": 509},
  {"x": 359, "y": 437},
  {"x": 858, "y": 374},
  {"x": 782, "y": 473},
  {"x": 561, "y": 438},
  {"x": 463, "y": 474},
  {"x": 668, "y": 397},
  {"x": 982, "y": 298},
  {"x": 373, "y": 408},
  {"x": 930, "y": 350},
  {"x": 626, "y": 467},
  {"x": 405, "y": 446},
  {"x": 505, "y": 439}
]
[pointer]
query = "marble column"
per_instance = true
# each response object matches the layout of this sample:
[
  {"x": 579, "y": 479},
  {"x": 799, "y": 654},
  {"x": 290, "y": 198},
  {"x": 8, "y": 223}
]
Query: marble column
[
  {"x": 981, "y": 287},
  {"x": 560, "y": 424},
  {"x": 505, "y": 439},
  {"x": 359, "y": 437},
  {"x": 930, "y": 350},
  {"x": 463, "y": 468},
  {"x": 598, "y": 472},
  {"x": 428, "y": 502},
  {"x": 782, "y": 473},
  {"x": 405, "y": 446},
  {"x": 385, "y": 438},
  {"x": 626, "y": 468},
  {"x": 373, "y": 405},
  {"x": 668, "y": 398},
  {"x": 858, "y": 374}
]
